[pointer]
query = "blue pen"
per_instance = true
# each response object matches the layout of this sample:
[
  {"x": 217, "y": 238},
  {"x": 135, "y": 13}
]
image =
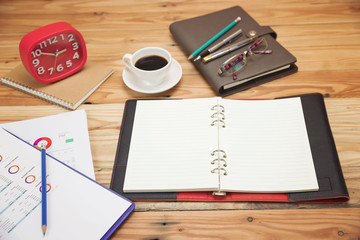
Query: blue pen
[
  {"x": 43, "y": 188},
  {"x": 213, "y": 39}
]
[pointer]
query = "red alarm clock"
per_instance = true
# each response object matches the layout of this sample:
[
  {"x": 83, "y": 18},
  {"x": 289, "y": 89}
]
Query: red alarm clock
[{"x": 53, "y": 52}]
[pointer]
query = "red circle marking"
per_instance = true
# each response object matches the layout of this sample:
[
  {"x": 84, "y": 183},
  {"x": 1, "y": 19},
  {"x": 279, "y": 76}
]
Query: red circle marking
[
  {"x": 47, "y": 190},
  {"x": 48, "y": 142},
  {"x": 30, "y": 179},
  {"x": 13, "y": 169}
]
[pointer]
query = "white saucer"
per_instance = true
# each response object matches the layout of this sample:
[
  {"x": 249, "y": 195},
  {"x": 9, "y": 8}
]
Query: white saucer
[{"x": 170, "y": 81}]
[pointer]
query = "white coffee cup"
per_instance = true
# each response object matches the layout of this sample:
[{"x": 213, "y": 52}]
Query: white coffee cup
[{"x": 151, "y": 76}]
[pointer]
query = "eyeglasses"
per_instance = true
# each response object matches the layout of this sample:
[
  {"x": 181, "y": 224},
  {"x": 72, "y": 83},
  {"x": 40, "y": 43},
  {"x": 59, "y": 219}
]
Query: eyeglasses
[{"x": 237, "y": 62}]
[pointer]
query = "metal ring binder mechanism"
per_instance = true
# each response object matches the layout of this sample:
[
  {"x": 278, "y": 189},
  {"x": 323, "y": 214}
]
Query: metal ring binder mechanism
[
  {"x": 219, "y": 153},
  {"x": 216, "y": 107},
  {"x": 219, "y": 123},
  {"x": 216, "y": 115}
]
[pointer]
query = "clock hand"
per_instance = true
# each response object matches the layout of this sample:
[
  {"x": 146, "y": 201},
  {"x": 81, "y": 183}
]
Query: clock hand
[
  {"x": 50, "y": 54},
  {"x": 59, "y": 52},
  {"x": 56, "y": 54}
]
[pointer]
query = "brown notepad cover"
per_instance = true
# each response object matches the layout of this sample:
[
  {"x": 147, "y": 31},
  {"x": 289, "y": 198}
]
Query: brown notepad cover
[
  {"x": 69, "y": 92},
  {"x": 192, "y": 33}
]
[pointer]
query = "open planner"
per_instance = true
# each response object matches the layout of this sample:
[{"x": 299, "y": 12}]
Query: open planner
[
  {"x": 192, "y": 144},
  {"x": 77, "y": 206},
  {"x": 170, "y": 149}
]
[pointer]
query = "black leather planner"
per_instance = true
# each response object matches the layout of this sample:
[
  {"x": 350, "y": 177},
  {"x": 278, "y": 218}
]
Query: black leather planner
[{"x": 332, "y": 187}]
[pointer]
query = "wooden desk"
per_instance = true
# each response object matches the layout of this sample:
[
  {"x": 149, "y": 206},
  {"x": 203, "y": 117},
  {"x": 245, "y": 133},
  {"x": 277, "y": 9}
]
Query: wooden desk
[{"x": 323, "y": 35}]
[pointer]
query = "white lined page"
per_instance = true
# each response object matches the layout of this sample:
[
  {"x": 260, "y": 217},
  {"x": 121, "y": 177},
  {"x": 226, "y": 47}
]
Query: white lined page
[
  {"x": 171, "y": 145},
  {"x": 267, "y": 146}
]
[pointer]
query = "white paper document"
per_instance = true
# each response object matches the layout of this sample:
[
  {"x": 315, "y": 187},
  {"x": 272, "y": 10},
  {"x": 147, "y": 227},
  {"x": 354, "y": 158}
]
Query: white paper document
[
  {"x": 68, "y": 133},
  {"x": 77, "y": 206}
]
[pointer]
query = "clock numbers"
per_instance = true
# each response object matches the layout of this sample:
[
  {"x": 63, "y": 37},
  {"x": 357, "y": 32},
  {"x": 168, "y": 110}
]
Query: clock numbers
[
  {"x": 43, "y": 44},
  {"x": 36, "y": 62},
  {"x": 36, "y": 53},
  {"x": 59, "y": 68},
  {"x": 56, "y": 54},
  {"x": 41, "y": 70},
  {"x": 71, "y": 37},
  {"x": 48, "y": 42},
  {"x": 51, "y": 70},
  {"x": 68, "y": 63},
  {"x": 75, "y": 45},
  {"x": 53, "y": 40}
]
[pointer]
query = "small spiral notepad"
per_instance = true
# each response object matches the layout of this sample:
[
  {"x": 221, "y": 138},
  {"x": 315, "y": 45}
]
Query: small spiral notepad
[
  {"x": 69, "y": 92},
  {"x": 219, "y": 145}
]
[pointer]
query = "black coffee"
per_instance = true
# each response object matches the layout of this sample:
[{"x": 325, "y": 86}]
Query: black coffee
[{"x": 150, "y": 63}]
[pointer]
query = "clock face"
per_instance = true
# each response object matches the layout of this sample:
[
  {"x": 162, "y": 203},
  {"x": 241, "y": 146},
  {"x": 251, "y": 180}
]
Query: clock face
[
  {"x": 57, "y": 55},
  {"x": 53, "y": 52}
]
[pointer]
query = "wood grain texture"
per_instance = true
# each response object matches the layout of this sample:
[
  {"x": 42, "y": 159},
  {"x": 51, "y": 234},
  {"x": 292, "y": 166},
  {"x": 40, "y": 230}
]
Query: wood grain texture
[
  {"x": 324, "y": 36},
  {"x": 244, "y": 224}
]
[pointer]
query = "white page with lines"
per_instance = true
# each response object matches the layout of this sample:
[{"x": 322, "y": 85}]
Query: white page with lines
[
  {"x": 171, "y": 145},
  {"x": 267, "y": 146},
  {"x": 265, "y": 142}
]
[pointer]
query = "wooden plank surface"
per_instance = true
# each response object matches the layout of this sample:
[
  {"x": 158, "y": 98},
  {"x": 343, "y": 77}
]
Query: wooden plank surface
[
  {"x": 244, "y": 224},
  {"x": 324, "y": 35}
]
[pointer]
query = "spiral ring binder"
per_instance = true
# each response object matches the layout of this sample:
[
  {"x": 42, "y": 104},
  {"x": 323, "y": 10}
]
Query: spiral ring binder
[
  {"x": 221, "y": 169},
  {"x": 218, "y": 122},
  {"x": 225, "y": 163},
  {"x": 217, "y": 114},
  {"x": 216, "y": 107},
  {"x": 219, "y": 153}
]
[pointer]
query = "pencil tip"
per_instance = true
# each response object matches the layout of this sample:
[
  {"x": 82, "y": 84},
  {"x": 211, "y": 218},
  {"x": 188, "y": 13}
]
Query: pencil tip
[
  {"x": 190, "y": 57},
  {"x": 44, "y": 229}
]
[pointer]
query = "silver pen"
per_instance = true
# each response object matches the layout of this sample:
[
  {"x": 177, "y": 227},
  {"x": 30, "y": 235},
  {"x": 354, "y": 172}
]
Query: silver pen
[
  {"x": 229, "y": 39},
  {"x": 228, "y": 49}
]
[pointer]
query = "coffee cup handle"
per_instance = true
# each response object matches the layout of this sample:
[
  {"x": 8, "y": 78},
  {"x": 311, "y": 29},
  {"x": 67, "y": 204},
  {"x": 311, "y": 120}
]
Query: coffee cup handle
[{"x": 127, "y": 60}]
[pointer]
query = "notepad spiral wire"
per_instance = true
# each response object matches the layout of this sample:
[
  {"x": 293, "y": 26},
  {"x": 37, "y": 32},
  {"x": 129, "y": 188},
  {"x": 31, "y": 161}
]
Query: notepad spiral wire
[
  {"x": 220, "y": 169},
  {"x": 36, "y": 93}
]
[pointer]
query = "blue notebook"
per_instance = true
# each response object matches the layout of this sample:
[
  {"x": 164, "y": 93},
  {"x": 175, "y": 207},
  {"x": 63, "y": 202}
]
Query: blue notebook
[{"x": 77, "y": 206}]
